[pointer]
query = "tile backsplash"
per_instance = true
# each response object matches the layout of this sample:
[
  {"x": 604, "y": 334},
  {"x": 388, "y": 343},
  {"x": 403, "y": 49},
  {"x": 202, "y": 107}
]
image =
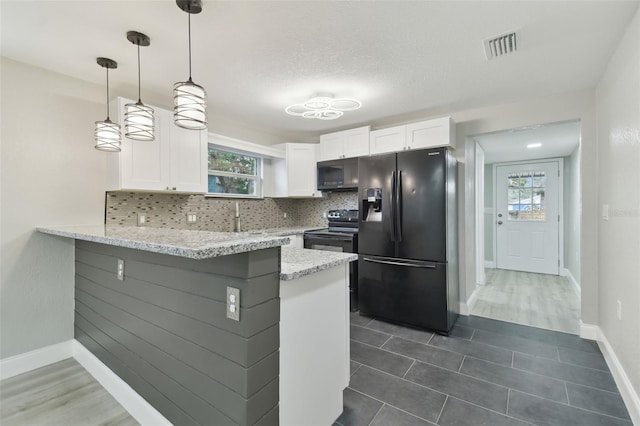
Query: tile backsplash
[{"x": 217, "y": 214}]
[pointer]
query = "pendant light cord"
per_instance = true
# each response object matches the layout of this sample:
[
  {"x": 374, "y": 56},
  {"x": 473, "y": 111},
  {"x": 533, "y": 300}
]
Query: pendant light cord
[
  {"x": 139, "y": 74},
  {"x": 189, "y": 44},
  {"x": 107, "y": 93}
]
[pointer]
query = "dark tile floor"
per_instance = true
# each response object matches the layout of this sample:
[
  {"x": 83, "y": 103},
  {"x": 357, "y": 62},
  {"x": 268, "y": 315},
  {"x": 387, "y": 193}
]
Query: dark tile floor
[{"x": 486, "y": 372}]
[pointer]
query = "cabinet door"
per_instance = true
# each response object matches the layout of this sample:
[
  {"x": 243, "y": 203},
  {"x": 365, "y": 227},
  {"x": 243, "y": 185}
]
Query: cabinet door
[
  {"x": 387, "y": 140},
  {"x": 301, "y": 170},
  {"x": 331, "y": 146},
  {"x": 188, "y": 160},
  {"x": 429, "y": 134},
  {"x": 355, "y": 142},
  {"x": 145, "y": 165}
]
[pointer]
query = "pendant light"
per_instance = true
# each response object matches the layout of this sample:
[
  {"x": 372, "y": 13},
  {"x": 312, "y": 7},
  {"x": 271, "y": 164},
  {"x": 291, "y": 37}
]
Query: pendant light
[
  {"x": 190, "y": 108},
  {"x": 138, "y": 117},
  {"x": 107, "y": 133}
]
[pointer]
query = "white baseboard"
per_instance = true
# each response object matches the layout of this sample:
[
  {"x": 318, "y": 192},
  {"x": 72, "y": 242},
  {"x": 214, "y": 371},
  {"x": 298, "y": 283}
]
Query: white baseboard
[
  {"x": 628, "y": 393},
  {"x": 588, "y": 331},
  {"x": 137, "y": 406},
  {"x": 28, "y": 361},
  {"x": 490, "y": 264},
  {"x": 567, "y": 273},
  {"x": 467, "y": 307}
]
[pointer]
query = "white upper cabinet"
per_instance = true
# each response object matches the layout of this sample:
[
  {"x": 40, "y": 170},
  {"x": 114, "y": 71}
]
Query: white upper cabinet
[
  {"x": 425, "y": 134},
  {"x": 175, "y": 161},
  {"x": 391, "y": 139},
  {"x": 346, "y": 144},
  {"x": 431, "y": 133},
  {"x": 296, "y": 174}
]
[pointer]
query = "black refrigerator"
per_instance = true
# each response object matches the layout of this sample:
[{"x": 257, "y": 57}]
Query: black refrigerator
[{"x": 407, "y": 255}]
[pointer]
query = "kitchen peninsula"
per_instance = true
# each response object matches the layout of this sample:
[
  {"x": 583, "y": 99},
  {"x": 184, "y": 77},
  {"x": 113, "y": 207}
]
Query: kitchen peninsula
[{"x": 154, "y": 306}]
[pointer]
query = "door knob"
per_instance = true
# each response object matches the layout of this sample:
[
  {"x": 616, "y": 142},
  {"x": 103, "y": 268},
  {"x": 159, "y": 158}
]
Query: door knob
[
  {"x": 499, "y": 222},
  {"x": 499, "y": 214}
]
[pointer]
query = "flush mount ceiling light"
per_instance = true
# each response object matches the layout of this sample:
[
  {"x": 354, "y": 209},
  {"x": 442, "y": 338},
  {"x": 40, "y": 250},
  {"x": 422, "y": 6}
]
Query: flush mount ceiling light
[
  {"x": 138, "y": 117},
  {"x": 534, "y": 145},
  {"x": 107, "y": 133},
  {"x": 323, "y": 106},
  {"x": 190, "y": 108}
]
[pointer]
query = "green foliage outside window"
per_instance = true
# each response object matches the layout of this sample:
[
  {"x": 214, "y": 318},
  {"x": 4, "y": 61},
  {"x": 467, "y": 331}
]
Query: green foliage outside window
[{"x": 233, "y": 173}]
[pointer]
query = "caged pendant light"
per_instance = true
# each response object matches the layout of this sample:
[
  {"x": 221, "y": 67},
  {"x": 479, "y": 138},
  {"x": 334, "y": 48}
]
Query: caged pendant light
[
  {"x": 190, "y": 108},
  {"x": 107, "y": 133},
  {"x": 138, "y": 117}
]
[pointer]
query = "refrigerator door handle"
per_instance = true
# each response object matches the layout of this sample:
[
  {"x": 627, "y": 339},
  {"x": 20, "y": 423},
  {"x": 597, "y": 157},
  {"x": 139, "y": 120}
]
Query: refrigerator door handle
[
  {"x": 398, "y": 206},
  {"x": 392, "y": 205},
  {"x": 390, "y": 262}
]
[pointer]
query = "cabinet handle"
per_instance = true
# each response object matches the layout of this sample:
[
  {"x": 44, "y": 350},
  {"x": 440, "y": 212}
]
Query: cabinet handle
[
  {"x": 174, "y": 188},
  {"x": 167, "y": 188},
  {"x": 408, "y": 147}
]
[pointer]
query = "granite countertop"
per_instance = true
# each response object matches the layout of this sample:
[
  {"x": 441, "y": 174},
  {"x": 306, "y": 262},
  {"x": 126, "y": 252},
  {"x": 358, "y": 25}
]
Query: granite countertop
[
  {"x": 298, "y": 262},
  {"x": 175, "y": 242},
  {"x": 281, "y": 232}
]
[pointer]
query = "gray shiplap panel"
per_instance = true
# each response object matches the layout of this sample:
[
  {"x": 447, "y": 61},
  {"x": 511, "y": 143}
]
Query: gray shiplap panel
[
  {"x": 271, "y": 419},
  {"x": 254, "y": 319},
  {"x": 241, "y": 265},
  {"x": 229, "y": 402},
  {"x": 253, "y": 290},
  {"x": 220, "y": 369},
  {"x": 196, "y": 407},
  {"x": 168, "y": 409},
  {"x": 168, "y": 319}
]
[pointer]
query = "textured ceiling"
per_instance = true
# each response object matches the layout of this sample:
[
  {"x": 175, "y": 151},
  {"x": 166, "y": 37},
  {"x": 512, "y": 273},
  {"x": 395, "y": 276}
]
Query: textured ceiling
[
  {"x": 255, "y": 58},
  {"x": 556, "y": 139}
]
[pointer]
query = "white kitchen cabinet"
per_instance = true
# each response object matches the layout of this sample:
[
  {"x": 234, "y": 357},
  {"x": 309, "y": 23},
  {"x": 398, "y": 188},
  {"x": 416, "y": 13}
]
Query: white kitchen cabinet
[
  {"x": 175, "y": 161},
  {"x": 391, "y": 139},
  {"x": 346, "y": 144},
  {"x": 296, "y": 174},
  {"x": 425, "y": 134},
  {"x": 431, "y": 133},
  {"x": 297, "y": 240}
]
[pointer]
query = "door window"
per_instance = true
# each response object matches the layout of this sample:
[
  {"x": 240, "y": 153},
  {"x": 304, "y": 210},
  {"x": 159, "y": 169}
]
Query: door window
[{"x": 525, "y": 196}]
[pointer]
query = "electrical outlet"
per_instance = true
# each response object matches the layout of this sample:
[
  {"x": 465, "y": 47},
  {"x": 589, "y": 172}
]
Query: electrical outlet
[
  {"x": 619, "y": 310},
  {"x": 605, "y": 211},
  {"x": 191, "y": 218},
  {"x": 233, "y": 303},
  {"x": 324, "y": 215},
  {"x": 120, "y": 270},
  {"x": 142, "y": 219},
  {"x": 285, "y": 215}
]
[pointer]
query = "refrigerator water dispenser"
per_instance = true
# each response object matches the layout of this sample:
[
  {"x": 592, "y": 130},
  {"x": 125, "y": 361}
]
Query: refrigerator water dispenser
[{"x": 372, "y": 205}]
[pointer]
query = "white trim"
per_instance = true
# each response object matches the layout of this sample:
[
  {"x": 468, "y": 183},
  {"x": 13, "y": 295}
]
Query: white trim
[
  {"x": 490, "y": 264},
  {"x": 137, "y": 406},
  {"x": 588, "y": 331},
  {"x": 37, "y": 358},
  {"x": 244, "y": 146},
  {"x": 565, "y": 272},
  {"x": 628, "y": 393},
  {"x": 479, "y": 216},
  {"x": 467, "y": 307}
]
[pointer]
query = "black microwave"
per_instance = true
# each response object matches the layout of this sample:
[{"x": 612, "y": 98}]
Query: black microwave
[{"x": 338, "y": 175}]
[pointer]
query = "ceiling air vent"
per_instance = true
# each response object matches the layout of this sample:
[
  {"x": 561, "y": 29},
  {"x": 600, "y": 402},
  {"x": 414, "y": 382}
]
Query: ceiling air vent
[{"x": 503, "y": 44}]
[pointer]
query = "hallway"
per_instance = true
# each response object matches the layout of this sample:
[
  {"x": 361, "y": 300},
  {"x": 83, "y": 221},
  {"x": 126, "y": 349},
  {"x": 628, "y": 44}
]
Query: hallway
[{"x": 537, "y": 300}]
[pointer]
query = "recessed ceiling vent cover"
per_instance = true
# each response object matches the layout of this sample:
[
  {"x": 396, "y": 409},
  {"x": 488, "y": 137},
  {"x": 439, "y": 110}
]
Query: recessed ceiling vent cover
[{"x": 503, "y": 44}]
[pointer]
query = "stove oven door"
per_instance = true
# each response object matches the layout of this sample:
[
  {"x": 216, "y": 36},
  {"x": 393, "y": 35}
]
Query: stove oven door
[{"x": 345, "y": 243}]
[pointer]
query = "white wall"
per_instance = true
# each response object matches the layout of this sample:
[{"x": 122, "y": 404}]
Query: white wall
[
  {"x": 51, "y": 175},
  {"x": 489, "y": 205},
  {"x": 618, "y": 119},
  {"x": 572, "y": 214},
  {"x": 577, "y": 105}
]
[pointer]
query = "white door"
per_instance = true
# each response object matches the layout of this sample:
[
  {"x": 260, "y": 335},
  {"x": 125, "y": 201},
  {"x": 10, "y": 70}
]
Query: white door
[{"x": 527, "y": 207}]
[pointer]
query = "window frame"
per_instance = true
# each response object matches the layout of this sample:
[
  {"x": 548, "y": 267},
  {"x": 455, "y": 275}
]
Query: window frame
[{"x": 258, "y": 177}]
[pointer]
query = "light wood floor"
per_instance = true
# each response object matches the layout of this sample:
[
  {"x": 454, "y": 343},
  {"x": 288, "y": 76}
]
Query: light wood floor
[
  {"x": 538, "y": 300},
  {"x": 59, "y": 394}
]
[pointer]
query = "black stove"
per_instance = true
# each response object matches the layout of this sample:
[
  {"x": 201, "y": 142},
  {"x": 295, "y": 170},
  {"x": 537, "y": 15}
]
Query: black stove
[{"x": 341, "y": 236}]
